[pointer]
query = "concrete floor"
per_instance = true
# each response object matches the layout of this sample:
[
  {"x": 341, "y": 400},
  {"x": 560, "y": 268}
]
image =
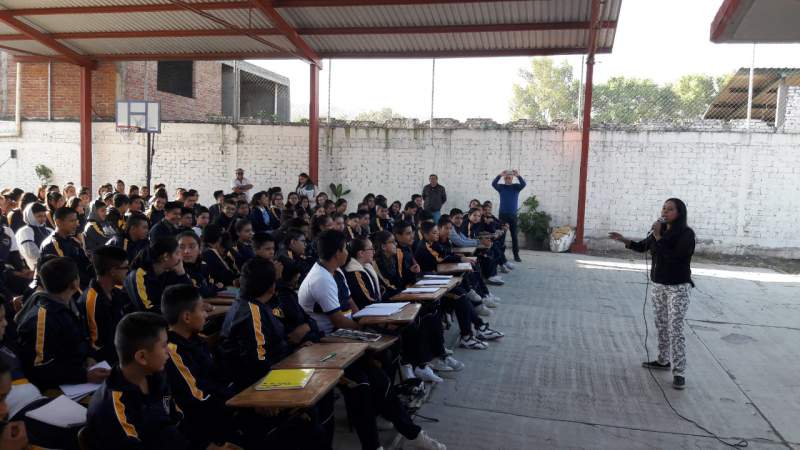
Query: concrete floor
[{"x": 568, "y": 375}]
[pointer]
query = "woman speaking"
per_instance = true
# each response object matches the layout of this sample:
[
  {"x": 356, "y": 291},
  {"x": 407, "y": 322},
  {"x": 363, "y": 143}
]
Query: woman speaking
[{"x": 671, "y": 243}]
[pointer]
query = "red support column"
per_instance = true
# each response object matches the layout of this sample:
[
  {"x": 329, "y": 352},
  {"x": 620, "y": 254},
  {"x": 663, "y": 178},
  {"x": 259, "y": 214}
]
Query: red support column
[
  {"x": 313, "y": 125},
  {"x": 86, "y": 127}
]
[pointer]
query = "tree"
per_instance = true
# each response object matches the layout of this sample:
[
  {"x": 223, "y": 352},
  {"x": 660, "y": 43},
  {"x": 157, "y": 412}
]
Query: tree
[
  {"x": 378, "y": 116},
  {"x": 549, "y": 94},
  {"x": 632, "y": 100},
  {"x": 696, "y": 92}
]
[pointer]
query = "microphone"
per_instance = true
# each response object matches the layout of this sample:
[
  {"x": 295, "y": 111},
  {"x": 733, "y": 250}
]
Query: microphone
[{"x": 662, "y": 221}]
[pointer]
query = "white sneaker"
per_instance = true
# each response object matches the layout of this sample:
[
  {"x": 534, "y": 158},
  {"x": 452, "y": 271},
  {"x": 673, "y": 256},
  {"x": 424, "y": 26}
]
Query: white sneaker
[
  {"x": 383, "y": 424},
  {"x": 487, "y": 334},
  {"x": 406, "y": 372},
  {"x": 427, "y": 374},
  {"x": 496, "y": 280},
  {"x": 509, "y": 265},
  {"x": 472, "y": 343},
  {"x": 489, "y": 302},
  {"x": 473, "y": 296},
  {"x": 494, "y": 298},
  {"x": 440, "y": 365},
  {"x": 448, "y": 351},
  {"x": 455, "y": 364},
  {"x": 503, "y": 269},
  {"x": 424, "y": 442},
  {"x": 483, "y": 311}
]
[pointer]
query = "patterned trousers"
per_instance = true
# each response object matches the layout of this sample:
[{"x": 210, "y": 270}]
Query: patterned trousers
[{"x": 670, "y": 303}]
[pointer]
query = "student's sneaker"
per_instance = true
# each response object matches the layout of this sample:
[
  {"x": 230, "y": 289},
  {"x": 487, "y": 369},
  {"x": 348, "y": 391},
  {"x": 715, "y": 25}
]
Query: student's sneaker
[
  {"x": 508, "y": 265},
  {"x": 494, "y": 298},
  {"x": 455, "y": 364},
  {"x": 656, "y": 365},
  {"x": 487, "y": 334},
  {"x": 440, "y": 365},
  {"x": 427, "y": 374},
  {"x": 517, "y": 258},
  {"x": 483, "y": 311},
  {"x": 406, "y": 372},
  {"x": 489, "y": 302},
  {"x": 473, "y": 296},
  {"x": 502, "y": 268},
  {"x": 471, "y": 343},
  {"x": 679, "y": 382},
  {"x": 383, "y": 424},
  {"x": 448, "y": 351},
  {"x": 424, "y": 442},
  {"x": 495, "y": 280}
]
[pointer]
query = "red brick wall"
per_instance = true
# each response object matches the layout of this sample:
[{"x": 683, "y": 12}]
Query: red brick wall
[
  {"x": 207, "y": 90},
  {"x": 65, "y": 90}
]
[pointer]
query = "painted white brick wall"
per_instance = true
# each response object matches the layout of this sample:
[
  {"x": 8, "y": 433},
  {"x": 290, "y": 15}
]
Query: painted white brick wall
[
  {"x": 792, "y": 119},
  {"x": 743, "y": 190}
]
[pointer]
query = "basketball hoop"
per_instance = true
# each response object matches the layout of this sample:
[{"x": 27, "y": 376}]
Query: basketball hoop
[{"x": 128, "y": 132}]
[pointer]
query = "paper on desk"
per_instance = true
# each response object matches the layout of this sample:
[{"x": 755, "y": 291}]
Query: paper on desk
[
  {"x": 101, "y": 365},
  {"x": 464, "y": 266},
  {"x": 78, "y": 391},
  {"x": 438, "y": 277},
  {"x": 61, "y": 412},
  {"x": 432, "y": 282},
  {"x": 420, "y": 290},
  {"x": 380, "y": 309}
]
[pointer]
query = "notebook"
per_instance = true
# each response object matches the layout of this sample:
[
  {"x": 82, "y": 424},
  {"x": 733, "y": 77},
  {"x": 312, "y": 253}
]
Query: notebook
[
  {"x": 380, "y": 309},
  {"x": 61, "y": 412},
  {"x": 432, "y": 282},
  {"x": 231, "y": 292},
  {"x": 78, "y": 391},
  {"x": 437, "y": 277},
  {"x": 420, "y": 290},
  {"x": 285, "y": 379}
]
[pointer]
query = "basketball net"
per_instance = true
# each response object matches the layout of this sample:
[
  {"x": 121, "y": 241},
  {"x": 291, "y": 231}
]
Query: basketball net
[{"x": 128, "y": 133}]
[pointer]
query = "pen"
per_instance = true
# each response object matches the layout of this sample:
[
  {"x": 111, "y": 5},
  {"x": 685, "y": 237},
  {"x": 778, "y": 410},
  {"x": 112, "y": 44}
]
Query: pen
[{"x": 327, "y": 357}]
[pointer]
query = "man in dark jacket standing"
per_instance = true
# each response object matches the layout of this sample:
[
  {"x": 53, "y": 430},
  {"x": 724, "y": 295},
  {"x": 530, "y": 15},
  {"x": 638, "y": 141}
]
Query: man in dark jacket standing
[{"x": 434, "y": 197}]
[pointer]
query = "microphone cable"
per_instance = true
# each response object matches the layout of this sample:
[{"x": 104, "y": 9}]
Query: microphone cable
[{"x": 741, "y": 443}]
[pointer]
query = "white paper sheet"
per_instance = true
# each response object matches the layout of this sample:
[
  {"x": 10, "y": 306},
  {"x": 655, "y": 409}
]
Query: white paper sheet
[{"x": 61, "y": 412}]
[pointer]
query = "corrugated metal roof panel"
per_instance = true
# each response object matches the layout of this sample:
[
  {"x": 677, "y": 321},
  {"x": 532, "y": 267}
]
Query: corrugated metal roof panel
[
  {"x": 29, "y": 46},
  {"x": 87, "y": 23},
  {"x": 19, "y": 4},
  {"x": 176, "y": 45}
]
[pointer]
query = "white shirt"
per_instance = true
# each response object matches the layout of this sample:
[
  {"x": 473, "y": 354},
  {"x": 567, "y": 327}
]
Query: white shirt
[
  {"x": 319, "y": 297},
  {"x": 237, "y": 182}
]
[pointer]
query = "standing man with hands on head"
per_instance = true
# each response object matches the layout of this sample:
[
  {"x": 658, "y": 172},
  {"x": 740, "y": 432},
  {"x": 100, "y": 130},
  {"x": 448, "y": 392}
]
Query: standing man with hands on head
[
  {"x": 509, "y": 203},
  {"x": 434, "y": 197}
]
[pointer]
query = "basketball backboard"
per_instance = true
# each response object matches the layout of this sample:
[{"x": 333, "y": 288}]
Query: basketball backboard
[{"x": 144, "y": 115}]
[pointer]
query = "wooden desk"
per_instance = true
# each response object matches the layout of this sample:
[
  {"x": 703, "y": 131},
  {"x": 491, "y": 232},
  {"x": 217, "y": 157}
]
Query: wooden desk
[
  {"x": 320, "y": 384},
  {"x": 218, "y": 312},
  {"x": 427, "y": 297},
  {"x": 453, "y": 268},
  {"x": 310, "y": 357},
  {"x": 225, "y": 301},
  {"x": 464, "y": 250},
  {"x": 380, "y": 345},
  {"x": 402, "y": 317}
]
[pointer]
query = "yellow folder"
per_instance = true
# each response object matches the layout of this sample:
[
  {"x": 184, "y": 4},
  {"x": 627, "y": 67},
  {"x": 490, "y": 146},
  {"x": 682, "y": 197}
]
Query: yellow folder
[{"x": 285, "y": 379}]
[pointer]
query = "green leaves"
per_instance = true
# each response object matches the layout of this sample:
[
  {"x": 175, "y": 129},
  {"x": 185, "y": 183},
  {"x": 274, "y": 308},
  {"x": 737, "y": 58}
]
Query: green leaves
[
  {"x": 44, "y": 173},
  {"x": 534, "y": 223},
  {"x": 338, "y": 190}
]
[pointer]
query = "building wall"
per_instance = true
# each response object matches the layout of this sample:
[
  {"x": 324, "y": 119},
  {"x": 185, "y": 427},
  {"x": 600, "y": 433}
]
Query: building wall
[
  {"x": 742, "y": 189},
  {"x": 792, "y": 121}
]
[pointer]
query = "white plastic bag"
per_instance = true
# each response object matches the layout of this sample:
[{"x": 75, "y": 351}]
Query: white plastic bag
[{"x": 561, "y": 238}]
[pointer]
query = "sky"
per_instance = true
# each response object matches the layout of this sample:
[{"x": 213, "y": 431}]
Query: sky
[{"x": 656, "y": 39}]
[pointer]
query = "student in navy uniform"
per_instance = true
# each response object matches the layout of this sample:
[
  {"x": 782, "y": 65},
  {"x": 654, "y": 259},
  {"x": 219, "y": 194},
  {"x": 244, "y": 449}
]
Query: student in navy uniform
[
  {"x": 133, "y": 408},
  {"x": 116, "y": 214},
  {"x": 215, "y": 210},
  {"x": 298, "y": 326},
  {"x": 97, "y": 231},
  {"x": 16, "y": 218},
  {"x": 155, "y": 213},
  {"x": 168, "y": 226},
  {"x": 102, "y": 305},
  {"x": 53, "y": 346},
  {"x": 64, "y": 243},
  {"x": 294, "y": 252},
  {"x": 381, "y": 222},
  {"x": 422, "y": 217},
  {"x": 201, "y": 219},
  {"x": 352, "y": 227},
  {"x": 228, "y": 216},
  {"x": 242, "y": 236},
  {"x": 152, "y": 271},
  {"x": 217, "y": 255},
  {"x": 187, "y": 219},
  {"x": 275, "y": 209},
  {"x": 198, "y": 384},
  {"x": 473, "y": 228},
  {"x": 409, "y": 215},
  {"x": 259, "y": 215},
  {"x": 135, "y": 237},
  {"x": 189, "y": 246},
  {"x": 444, "y": 246},
  {"x": 407, "y": 267}
]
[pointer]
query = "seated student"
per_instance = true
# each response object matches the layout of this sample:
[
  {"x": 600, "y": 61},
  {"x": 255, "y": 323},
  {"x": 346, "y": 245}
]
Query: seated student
[
  {"x": 102, "y": 304},
  {"x": 221, "y": 263},
  {"x": 133, "y": 408},
  {"x": 115, "y": 216},
  {"x": 215, "y": 210},
  {"x": 17, "y": 397},
  {"x": 187, "y": 219},
  {"x": 201, "y": 219},
  {"x": 35, "y": 231},
  {"x": 363, "y": 221},
  {"x": 53, "y": 346},
  {"x": 14, "y": 273},
  {"x": 275, "y": 209},
  {"x": 155, "y": 213},
  {"x": 242, "y": 236},
  {"x": 381, "y": 222},
  {"x": 409, "y": 215},
  {"x": 198, "y": 383},
  {"x": 134, "y": 239},
  {"x": 473, "y": 228},
  {"x": 445, "y": 248},
  {"x": 225, "y": 220},
  {"x": 341, "y": 206},
  {"x": 64, "y": 243},
  {"x": 330, "y": 207},
  {"x": 196, "y": 268},
  {"x": 97, "y": 231},
  {"x": 407, "y": 267},
  {"x": 493, "y": 225},
  {"x": 152, "y": 271},
  {"x": 169, "y": 225},
  {"x": 294, "y": 252},
  {"x": 422, "y": 217},
  {"x": 352, "y": 226},
  {"x": 242, "y": 210},
  {"x": 259, "y": 215},
  {"x": 298, "y": 326}
]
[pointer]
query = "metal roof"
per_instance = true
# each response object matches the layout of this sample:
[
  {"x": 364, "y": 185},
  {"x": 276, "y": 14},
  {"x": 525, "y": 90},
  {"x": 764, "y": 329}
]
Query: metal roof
[
  {"x": 757, "y": 21},
  {"x": 81, "y": 31},
  {"x": 731, "y": 102}
]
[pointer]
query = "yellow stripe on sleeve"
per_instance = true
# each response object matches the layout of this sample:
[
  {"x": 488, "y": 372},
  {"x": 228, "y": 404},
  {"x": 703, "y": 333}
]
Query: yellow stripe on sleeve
[
  {"x": 57, "y": 247},
  {"x": 119, "y": 411},
  {"x": 260, "y": 341},
  {"x": 185, "y": 373},
  {"x": 41, "y": 323},
  {"x": 363, "y": 287},
  {"x": 141, "y": 289},
  {"x": 91, "y": 321}
]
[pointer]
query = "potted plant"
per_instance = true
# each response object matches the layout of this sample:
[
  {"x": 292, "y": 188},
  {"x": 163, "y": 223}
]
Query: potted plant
[
  {"x": 44, "y": 173},
  {"x": 338, "y": 190},
  {"x": 534, "y": 224}
]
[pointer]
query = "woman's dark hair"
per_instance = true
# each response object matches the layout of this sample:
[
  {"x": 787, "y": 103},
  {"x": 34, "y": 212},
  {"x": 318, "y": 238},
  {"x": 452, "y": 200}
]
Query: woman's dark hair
[
  {"x": 238, "y": 226},
  {"x": 316, "y": 199},
  {"x": 682, "y": 220},
  {"x": 212, "y": 234},
  {"x": 378, "y": 240},
  {"x": 380, "y": 200},
  {"x": 292, "y": 194},
  {"x": 27, "y": 198},
  {"x": 341, "y": 202},
  {"x": 309, "y": 181},
  {"x": 74, "y": 203},
  {"x": 40, "y": 208},
  {"x": 53, "y": 197},
  {"x": 357, "y": 244},
  {"x": 257, "y": 277},
  {"x": 162, "y": 246},
  {"x": 256, "y": 200},
  {"x": 189, "y": 234},
  {"x": 317, "y": 223}
]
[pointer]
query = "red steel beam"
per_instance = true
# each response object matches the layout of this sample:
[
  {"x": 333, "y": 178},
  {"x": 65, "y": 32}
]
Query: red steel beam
[
  {"x": 580, "y": 246},
  {"x": 446, "y": 29},
  {"x": 313, "y": 125},
  {"x": 12, "y": 49},
  {"x": 266, "y": 8},
  {"x": 340, "y": 3},
  {"x": 86, "y": 127},
  {"x": 207, "y": 6},
  {"x": 723, "y": 18},
  {"x": 45, "y": 40}
]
